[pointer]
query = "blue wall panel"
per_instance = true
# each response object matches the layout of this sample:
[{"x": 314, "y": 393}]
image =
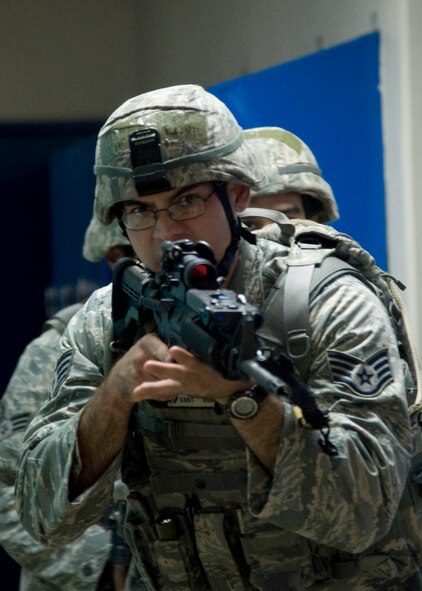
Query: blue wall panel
[
  {"x": 331, "y": 100},
  {"x": 72, "y": 191}
]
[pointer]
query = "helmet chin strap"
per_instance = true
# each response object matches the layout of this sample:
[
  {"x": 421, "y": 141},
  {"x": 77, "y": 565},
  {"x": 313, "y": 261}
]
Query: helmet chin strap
[{"x": 228, "y": 257}]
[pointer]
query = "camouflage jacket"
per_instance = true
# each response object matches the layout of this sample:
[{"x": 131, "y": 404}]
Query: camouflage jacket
[
  {"x": 320, "y": 522},
  {"x": 80, "y": 563}
]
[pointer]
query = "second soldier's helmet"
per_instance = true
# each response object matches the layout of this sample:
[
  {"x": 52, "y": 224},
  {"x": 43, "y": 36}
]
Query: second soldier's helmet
[
  {"x": 99, "y": 239},
  {"x": 166, "y": 139},
  {"x": 290, "y": 166}
]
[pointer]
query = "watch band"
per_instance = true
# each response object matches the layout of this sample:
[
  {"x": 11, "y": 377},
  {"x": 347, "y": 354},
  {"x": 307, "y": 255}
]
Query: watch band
[{"x": 246, "y": 405}]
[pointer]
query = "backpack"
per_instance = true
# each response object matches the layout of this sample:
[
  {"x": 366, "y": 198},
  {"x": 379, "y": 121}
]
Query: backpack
[{"x": 318, "y": 254}]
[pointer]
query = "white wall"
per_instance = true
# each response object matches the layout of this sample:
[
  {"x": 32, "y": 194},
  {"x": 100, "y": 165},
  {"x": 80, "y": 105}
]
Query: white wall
[
  {"x": 401, "y": 76},
  {"x": 414, "y": 139},
  {"x": 78, "y": 60}
]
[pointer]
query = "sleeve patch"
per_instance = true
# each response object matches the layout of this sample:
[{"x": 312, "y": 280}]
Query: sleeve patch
[
  {"x": 20, "y": 422},
  {"x": 62, "y": 370},
  {"x": 363, "y": 377}
]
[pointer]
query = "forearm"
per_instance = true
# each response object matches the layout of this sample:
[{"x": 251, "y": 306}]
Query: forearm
[
  {"x": 102, "y": 432},
  {"x": 261, "y": 434}
]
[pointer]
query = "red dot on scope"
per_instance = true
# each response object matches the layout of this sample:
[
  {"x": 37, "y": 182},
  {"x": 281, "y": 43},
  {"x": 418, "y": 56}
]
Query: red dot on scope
[{"x": 201, "y": 276}]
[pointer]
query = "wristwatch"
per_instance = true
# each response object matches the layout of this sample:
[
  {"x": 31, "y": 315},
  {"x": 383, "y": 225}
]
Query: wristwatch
[{"x": 246, "y": 405}]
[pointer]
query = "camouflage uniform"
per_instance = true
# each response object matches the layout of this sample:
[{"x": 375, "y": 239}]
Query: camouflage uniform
[
  {"x": 79, "y": 564},
  {"x": 317, "y": 518},
  {"x": 290, "y": 166},
  {"x": 203, "y": 513}
]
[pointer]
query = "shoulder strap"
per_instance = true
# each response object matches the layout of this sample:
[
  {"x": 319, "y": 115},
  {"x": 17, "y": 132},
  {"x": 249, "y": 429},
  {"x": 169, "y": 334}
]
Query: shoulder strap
[
  {"x": 292, "y": 327},
  {"x": 61, "y": 319}
]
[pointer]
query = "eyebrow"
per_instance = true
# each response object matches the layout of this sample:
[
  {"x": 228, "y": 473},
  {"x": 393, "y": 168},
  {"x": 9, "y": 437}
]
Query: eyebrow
[
  {"x": 185, "y": 189},
  {"x": 177, "y": 194}
]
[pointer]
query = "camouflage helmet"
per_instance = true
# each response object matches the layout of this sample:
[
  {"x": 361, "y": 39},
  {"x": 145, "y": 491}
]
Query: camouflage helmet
[
  {"x": 99, "y": 239},
  {"x": 166, "y": 139},
  {"x": 290, "y": 166}
]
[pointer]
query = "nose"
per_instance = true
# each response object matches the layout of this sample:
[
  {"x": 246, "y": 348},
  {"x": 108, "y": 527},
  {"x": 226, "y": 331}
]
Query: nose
[{"x": 165, "y": 227}]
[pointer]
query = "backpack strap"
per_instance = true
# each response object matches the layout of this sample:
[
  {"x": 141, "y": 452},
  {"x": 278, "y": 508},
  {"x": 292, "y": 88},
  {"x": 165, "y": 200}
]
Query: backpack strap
[
  {"x": 61, "y": 319},
  {"x": 296, "y": 326},
  {"x": 301, "y": 283},
  {"x": 296, "y": 306}
]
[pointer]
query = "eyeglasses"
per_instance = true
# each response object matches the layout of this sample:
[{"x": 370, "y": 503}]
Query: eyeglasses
[{"x": 186, "y": 207}]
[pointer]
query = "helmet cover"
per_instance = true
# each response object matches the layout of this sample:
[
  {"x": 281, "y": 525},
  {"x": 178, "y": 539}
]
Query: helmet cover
[
  {"x": 290, "y": 166},
  {"x": 99, "y": 239},
  {"x": 166, "y": 139}
]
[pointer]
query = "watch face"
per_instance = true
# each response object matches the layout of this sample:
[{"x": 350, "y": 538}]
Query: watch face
[{"x": 244, "y": 407}]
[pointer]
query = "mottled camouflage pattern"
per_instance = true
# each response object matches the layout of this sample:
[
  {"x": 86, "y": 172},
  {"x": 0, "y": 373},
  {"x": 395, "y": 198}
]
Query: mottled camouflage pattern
[
  {"x": 190, "y": 122},
  {"x": 290, "y": 166},
  {"x": 324, "y": 523},
  {"x": 99, "y": 239},
  {"x": 79, "y": 564}
]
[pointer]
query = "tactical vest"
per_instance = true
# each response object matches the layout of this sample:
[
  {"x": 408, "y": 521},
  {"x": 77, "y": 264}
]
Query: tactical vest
[{"x": 187, "y": 515}]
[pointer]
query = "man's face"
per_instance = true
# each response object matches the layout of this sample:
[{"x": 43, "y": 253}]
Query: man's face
[
  {"x": 211, "y": 226},
  {"x": 291, "y": 204}
]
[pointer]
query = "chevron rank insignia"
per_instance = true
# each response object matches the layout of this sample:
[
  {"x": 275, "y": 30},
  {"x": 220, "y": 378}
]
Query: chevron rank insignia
[
  {"x": 62, "y": 369},
  {"x": 364, "y": 378}
]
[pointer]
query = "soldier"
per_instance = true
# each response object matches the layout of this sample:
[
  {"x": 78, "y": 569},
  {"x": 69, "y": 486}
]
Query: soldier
[
  {"x": 295, "y": 185},
  {"x": 220, "y": 498},
  {"x": 83, "y": 564}
]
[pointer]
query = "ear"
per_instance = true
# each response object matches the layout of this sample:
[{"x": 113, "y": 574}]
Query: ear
[
  {"x": 113, "y": 254},
  {"x": 240, "y": 195}
]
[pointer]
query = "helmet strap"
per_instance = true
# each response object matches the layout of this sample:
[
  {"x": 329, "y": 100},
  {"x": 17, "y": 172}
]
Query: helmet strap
[{"x": 234, "y": 225}]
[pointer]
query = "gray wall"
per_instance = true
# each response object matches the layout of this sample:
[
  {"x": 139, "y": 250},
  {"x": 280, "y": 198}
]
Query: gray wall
[{"x": 80, "y": 59}]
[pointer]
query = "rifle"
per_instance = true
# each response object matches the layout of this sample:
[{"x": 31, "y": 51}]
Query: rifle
[{"x": 184, "y": 304}]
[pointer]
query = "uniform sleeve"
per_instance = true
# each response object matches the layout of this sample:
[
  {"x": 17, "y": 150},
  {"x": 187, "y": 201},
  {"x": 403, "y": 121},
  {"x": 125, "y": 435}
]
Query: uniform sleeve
[
  {"x": 348, "y": 501},
  {"x": 26, "y": 391},
  {"x": 80, "y": 564},
  {"x": 50, "y": 447}
]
